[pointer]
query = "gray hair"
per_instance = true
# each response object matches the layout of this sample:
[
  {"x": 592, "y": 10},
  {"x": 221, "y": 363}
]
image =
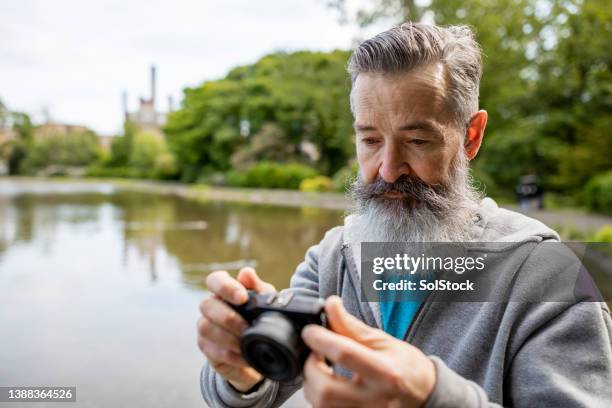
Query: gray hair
[{"x": 413, "y": 45}]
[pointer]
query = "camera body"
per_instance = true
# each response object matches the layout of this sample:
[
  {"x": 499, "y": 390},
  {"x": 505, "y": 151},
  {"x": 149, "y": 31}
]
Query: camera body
[{"x": 272, "y": 344}]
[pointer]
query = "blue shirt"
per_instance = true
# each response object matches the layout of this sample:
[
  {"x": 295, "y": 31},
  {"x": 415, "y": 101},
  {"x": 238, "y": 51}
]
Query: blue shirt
[{"x": 397, "y": 316}]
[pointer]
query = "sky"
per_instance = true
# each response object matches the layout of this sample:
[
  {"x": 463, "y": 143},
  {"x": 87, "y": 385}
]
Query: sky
[{"x": 70, "y": 60}]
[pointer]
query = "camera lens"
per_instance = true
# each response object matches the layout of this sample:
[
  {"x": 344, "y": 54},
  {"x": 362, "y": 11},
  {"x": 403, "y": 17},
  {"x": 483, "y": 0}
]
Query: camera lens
[{"x": 273, "y": 346}]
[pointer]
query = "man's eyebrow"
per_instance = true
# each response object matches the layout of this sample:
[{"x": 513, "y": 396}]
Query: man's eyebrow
[
  {"x": 363, "y": 128},
  {"x": 420, "y": 126},
  {"x": 428, "y": 126}
]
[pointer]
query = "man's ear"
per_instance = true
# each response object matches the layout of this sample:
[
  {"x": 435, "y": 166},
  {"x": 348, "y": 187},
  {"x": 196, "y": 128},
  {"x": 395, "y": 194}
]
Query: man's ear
[{"x": 475, "y": 133}]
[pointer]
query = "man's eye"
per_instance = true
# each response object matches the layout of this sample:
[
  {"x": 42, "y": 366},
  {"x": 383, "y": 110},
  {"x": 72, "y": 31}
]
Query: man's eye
[
  {"x": 418, "y": 142},
  {"x": 369, "y": 141}
]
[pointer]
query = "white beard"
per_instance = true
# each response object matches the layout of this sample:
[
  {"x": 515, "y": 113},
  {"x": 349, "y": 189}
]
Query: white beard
[{"x": 445, "y": 215}]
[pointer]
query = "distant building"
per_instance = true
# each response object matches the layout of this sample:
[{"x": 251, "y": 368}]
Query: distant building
[
  {"x": 49, "y": 129},
  {"x": 6, "y": 134},
  {"x": 147, "y": 118}
]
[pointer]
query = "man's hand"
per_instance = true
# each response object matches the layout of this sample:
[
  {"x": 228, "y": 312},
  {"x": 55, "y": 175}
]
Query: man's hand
[
  {"x": 220, "y": 326},
  {"x": 386, "y": 372}
]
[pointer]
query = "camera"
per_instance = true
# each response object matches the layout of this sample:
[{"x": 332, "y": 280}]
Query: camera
[{"x": 272, "y": 344}]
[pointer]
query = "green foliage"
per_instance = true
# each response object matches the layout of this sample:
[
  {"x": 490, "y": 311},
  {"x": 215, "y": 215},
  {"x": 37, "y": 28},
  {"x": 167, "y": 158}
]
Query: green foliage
[
  {"x": 15, "y": 151},
  {"x": 598, "y": 193},
  {"x": 121, "y": 147},
  {"x": 232, "y": 178},
  {"x": 268, "y": 144},
  {"x": 76, "y": 150},
  {"x": 145, "y": 149},
  {"x": 556, "y": 201},
  {"x": 345, "y": 176},
  {"x": 604, "y": 234},
  {"x": 23, "y": 126},
  {"x": 137, "y": 154},
  {"x": 486, "y": 184},
  {"x": 286, "y": 98},
  {"x": 4, "y": 115},
  {"x": 318, "y": 183},
  {"x": 99, "y": 170},
  {"x": 569, "y": 232},
  {"x": 547, "y": 84},
  {"x": 164, "y": 166},
  {"x": 272, "y": 175},
  {"x": 547, "y": 87}
]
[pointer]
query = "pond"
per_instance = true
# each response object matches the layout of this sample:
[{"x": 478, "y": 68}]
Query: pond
[{"x": 99, "y": 288}]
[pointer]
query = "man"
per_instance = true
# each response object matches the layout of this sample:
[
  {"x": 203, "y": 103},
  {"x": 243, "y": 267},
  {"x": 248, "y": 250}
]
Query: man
[{"x": 415, "y": 101}]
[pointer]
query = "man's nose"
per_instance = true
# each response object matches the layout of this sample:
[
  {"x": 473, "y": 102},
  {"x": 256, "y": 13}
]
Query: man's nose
[{"x": 393, "y": 165}]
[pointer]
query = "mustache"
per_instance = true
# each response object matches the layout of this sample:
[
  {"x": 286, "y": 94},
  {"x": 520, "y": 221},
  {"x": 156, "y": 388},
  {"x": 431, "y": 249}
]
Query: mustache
[{"x": 412, "y": 187}]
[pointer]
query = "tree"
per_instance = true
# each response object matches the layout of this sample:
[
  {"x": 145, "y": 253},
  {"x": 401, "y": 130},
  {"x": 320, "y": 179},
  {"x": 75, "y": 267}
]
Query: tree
[
  {"x": 304, "y": 95},
  {"x": 78, "y": 150},
  {"x": 122, "y": 146},
  {"x": 546, "y": 83},
  {"x": 14, "y": 151},
  {"x": 150, "y": 156}
]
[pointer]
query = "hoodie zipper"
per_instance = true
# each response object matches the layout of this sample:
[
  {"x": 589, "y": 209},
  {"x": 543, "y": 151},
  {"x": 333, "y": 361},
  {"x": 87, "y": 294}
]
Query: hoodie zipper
[
  {"x": 420, "y": 311},
  {"x": 352, "y": 275},
  {"x": 347, "y": 263}
]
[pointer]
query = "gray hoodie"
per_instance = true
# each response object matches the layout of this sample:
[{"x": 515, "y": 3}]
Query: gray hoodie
[{"x": 487, "y": 354}]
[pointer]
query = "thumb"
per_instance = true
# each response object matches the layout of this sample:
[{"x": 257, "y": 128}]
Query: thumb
[
  {"x": 345, "y": 324},
  {"x": 248, "y": 277}
]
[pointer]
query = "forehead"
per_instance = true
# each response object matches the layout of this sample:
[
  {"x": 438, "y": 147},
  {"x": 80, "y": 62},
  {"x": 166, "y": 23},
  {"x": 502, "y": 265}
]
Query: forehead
[{"x": 418, "y": 94}]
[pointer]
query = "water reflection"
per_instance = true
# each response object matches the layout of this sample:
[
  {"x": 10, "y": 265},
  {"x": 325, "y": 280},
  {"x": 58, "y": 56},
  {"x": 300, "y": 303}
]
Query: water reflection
[
  {"x": 99, "y": 288},
  {"x": 201, "y": 237}
]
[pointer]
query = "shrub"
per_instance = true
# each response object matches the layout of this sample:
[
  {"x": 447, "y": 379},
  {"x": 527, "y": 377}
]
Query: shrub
[
  {"x": 235, "y": 179},
  {"x": 345, "y": 176},
  {"x": 112, "y": 172},
  {"x": 271, "y": 175},
  {"x": 216, "y": 178},
  {"x": 598, "y": 193},
  {"x": 570, "y": 232},
  {"x": 318, "y": 183},
  {"x": 604, "y": 234},
  {"x": 164, "y": 167},
  {"x": 148, "y": 157},
  {"x": 71, "y": 150}
]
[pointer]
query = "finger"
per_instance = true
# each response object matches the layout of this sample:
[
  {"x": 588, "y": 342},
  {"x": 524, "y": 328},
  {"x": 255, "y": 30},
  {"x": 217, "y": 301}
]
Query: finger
[
  {"x": 236, "y": 374},
  {"x": 226, "y": 287},
  {"x": 344, "y": 323},
  {"x": 312, "y": 372},
  {"x": 221, "y": 314},
  {"x": 217, "y": 354},
  {"x": 323, "y": 388},
  {"x": 248, "y": 277},
  {"x": 218, "y": 334},
  {"x": 348, "y": 353},
  {"x": 315, "y": 364}
]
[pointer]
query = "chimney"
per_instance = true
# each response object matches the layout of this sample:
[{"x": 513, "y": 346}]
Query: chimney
[
  {"x": 124, "y": 97},
  {"x": 153, "y": 84}
]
